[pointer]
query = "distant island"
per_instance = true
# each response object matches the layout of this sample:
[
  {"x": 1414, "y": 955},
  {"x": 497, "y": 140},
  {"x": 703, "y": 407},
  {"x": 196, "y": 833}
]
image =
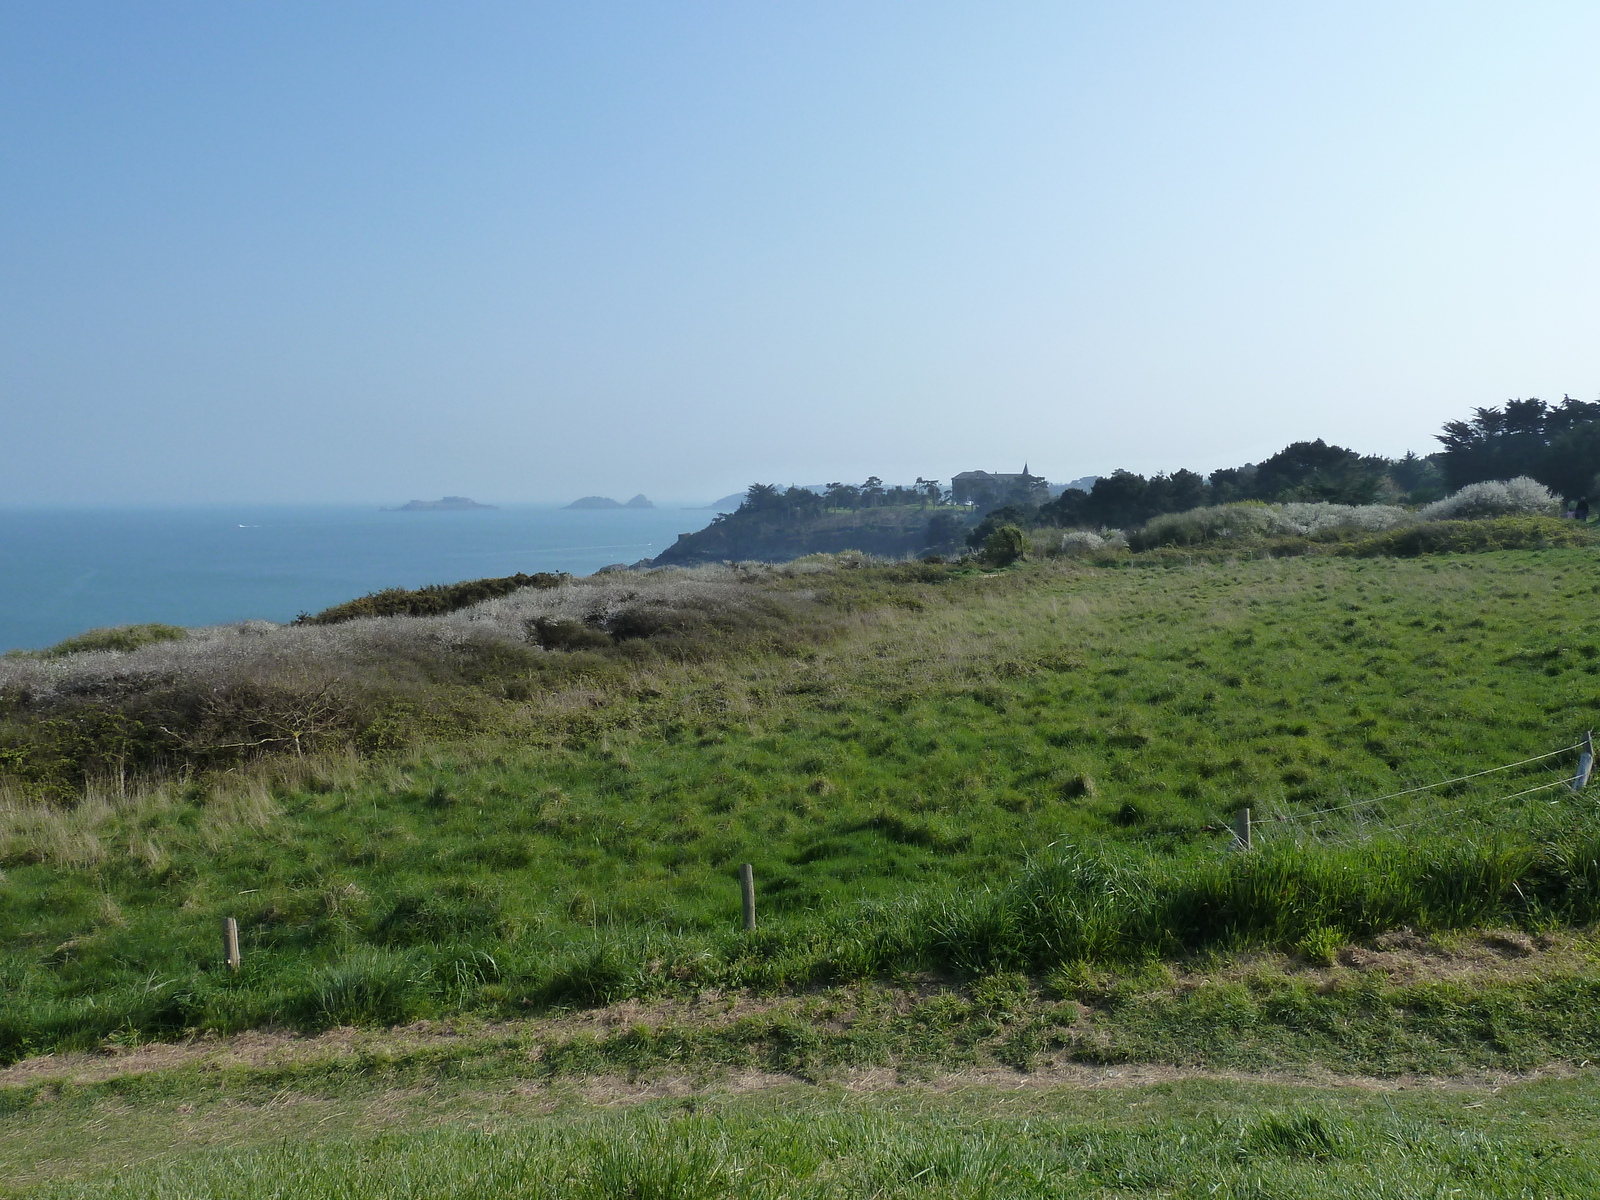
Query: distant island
[
  {"x": 446, "y": 504},
  {"x": 608, "y": 502}
]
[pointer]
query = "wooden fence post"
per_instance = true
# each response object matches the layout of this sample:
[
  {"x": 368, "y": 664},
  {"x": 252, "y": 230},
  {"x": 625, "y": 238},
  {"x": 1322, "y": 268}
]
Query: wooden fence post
[
  {"x": 1241, "y": 830},
  {"x": 747, "y": 892},
  {"x": 230, "y": 943}
]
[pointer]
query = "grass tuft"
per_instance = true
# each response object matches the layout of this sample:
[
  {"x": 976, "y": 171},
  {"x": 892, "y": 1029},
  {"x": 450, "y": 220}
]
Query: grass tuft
[{"x": 369, "y": 987}]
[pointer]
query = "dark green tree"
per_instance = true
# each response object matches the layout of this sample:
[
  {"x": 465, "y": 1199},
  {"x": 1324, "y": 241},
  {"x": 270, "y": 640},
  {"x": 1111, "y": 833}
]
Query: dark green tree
[
  {"x": 1007, "y": 514},
  {"x": 762, "y": 497},
  {"x": 842, "y": 495},
  {"x": 1571, "y": 462},
  {"x": 1120, "y": 499},
  {"x": 1419, "y": 478},
  {"x": 1231, "y": 484},
  {"x": 944, "y": 529},
  {"x": 1178, "y": 492},
  {"x": 1006, "y": 545},
  {"x": 1318, "y": 471},
  {"x": 767, "y": 500},
  {"x": 1517, "y": 439},
  {"x": 1066, "y": 510}
]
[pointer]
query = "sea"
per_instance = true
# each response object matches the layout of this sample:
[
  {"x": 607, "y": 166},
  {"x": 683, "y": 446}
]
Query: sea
[{"x": 63, "y": 571}]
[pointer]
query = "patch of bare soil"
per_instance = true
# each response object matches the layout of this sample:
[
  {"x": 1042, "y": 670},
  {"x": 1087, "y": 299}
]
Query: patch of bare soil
[
  {"x": 1405, "y": 957},
  {"x": 277, "y": 1048}
]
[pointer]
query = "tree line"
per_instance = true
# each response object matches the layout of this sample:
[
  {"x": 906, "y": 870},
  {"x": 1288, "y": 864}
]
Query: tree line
[
  {"x": 1556, "y": 444},
  {"x": 1308, "y": 471},
  {"x": 769, "y": 498}
]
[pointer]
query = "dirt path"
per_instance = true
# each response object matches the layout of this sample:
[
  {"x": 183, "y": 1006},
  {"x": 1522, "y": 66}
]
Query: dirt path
[
  {"x": 270, "y": 1049},
  {"x": 1400, "y": 957},
  {"x": 616, "y": 1090}
]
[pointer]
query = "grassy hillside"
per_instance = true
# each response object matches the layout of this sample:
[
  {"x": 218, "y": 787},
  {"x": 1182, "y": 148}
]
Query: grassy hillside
[{"x": 949, "y": 771}]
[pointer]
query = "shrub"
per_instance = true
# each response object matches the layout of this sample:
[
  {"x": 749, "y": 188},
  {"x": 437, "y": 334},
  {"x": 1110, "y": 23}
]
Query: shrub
[
  {"x": 1233, "y": 521},
  {"x": 1472, "y": 537},
  {"x": 563, "y": 633},
  {"x": 1080, "y": 541},
  {"x": 1251, "y": 521},
  {"x": 1074, "y": 543},
  {"x": 1496, "y": 498},
  {"x": 1006, "y": 545},
  {"x": 122, "y": 639},
  {"x": 430, "y": 601},
  {"x": 1312, "y": 519},
  {"x": 649, "y": 620}
]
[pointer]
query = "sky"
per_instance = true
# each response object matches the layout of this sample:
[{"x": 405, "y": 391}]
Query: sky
[{"x": 366, "y": 252}]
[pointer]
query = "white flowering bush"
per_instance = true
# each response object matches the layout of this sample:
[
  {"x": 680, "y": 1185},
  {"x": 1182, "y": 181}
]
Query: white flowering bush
[
  {"x": 1071, "y": 542},
  {"x": 1321, "y": 517},
  {"x": 1496, "y": 498}
]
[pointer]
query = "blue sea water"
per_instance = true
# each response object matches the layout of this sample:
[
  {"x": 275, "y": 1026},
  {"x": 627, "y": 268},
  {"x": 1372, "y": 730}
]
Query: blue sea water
[{"x": 63, "y": 571}]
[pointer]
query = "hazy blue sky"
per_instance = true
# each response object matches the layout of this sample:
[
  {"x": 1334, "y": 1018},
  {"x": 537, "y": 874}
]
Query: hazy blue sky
[{"x": 347, "y": 251}]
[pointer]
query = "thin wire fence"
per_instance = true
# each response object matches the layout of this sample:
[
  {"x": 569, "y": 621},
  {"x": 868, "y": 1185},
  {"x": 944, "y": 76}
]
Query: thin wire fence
[
  {"x": 1429, "y": 786},
  {"x": 1301, "y": 825}
]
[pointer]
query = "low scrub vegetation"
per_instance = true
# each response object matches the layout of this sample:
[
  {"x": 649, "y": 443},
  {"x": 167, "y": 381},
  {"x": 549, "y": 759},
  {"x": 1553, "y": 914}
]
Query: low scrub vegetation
[
  {"x": 1249, "y": 522},
  {"x": 430, "y": 601},
  {"x": 1478, "y": 517},
  {"x": 1476, "y": 537},
  {"x": 121, "y": 639},
  {"x": 119, "y": 705}
]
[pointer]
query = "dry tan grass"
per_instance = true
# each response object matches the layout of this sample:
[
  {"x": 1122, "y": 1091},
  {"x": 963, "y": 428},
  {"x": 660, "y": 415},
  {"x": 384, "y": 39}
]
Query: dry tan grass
[
  {"x": 66, "y": 835},
  {"x": 307, "y": 655},
  {"x": 76, "y": 833}
]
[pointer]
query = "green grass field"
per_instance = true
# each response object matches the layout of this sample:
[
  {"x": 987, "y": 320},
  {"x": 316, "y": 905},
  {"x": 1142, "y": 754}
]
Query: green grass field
[
  {"x": 996, "y": 772},
  {"x": 1002, "y": 798},
  {"x": 1178, "y": 1138}
]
